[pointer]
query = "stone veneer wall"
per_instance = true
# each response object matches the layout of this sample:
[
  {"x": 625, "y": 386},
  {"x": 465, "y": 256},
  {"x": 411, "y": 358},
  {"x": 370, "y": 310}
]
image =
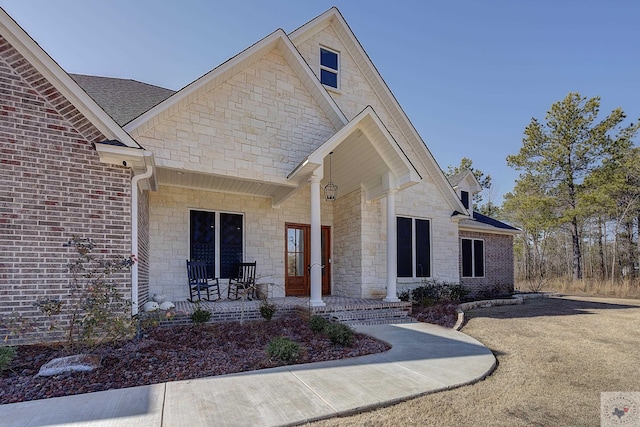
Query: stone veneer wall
[
  {"x": 52, "y": 188},
  {"x": 264, "y": 233},
  {"x": 347, "y": 245},
  {"x": 424, "y": 201},
  {"x": 499, "y": 274}
]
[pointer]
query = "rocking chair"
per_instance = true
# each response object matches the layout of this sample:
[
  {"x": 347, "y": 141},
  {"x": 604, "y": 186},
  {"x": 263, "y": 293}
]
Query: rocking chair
[
  {"x": 198, "y": 281},
  {"x": 245, "y": 282}
]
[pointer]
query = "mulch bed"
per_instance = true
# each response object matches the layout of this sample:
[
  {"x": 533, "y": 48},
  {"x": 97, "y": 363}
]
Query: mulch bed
[{"x": 171, "y": 353}]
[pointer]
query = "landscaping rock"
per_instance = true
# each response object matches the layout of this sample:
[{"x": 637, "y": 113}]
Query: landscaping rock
[{"x": 77, "y": 363}]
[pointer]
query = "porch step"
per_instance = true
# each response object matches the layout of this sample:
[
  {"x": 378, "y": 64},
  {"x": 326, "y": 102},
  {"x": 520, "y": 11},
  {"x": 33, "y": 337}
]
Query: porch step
[{"x": 381, "y": 316}]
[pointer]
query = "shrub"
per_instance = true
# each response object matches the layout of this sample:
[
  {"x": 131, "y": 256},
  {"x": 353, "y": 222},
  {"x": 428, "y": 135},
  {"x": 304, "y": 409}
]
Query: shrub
[
  {"x": 340, "y": 334},
  {"x": 200, "y": 316},
  {"x": 6, "y": 356},
  {"x": 283, "y": 349},
  {"x": 405, "y": 295},
  {"x": 457, "y": 292},
  {"x": 267, "y": 309},
  {"x": 95, "y": 310},
  {"x": 317, "y": 323}
]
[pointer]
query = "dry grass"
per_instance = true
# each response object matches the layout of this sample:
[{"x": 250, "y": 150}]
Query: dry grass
[
  {"x": 555, "y": 357},
  {"x": 591, "y": 287}
]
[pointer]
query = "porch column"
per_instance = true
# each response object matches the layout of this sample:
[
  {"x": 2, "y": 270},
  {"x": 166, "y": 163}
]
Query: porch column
[
  {"x": 316, "y": 245},
  {"x": 392, "y": 249}
]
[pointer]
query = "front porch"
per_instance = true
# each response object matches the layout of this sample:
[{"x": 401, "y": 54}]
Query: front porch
[{"x": 351, "y": 311}]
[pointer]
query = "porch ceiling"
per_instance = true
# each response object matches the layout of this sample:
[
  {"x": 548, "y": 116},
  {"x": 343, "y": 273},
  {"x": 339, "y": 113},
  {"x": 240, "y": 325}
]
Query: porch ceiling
[
  {"x": 224, "y": 184},
  {"x": 364, "y": 155}
]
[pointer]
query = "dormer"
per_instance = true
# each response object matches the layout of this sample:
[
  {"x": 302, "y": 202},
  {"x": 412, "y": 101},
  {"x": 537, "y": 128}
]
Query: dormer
[{"x": 466, "y": 186}]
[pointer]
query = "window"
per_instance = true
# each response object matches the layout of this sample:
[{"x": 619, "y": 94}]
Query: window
[
  {"x": 329, "y": 67},
  {"x": 220, "y": 247},
  {"x": 464, "y": 196},
  {"x": 472, "y": 258},
  {"x": 414, "y": 247}
]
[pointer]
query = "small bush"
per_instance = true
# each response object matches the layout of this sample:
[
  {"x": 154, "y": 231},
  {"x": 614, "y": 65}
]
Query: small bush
[
  {"x": 457, "y": 292},
  {"x": 405, "y": 295},
  {"x": 267, "y": 309},
  {"x": 340, "y": 334},
  {"x": 200, "y": 316},
  {"x": 318, "y": 323},
  {"x": 6, "y": 356},
  {"x": 283, "y": 349}
]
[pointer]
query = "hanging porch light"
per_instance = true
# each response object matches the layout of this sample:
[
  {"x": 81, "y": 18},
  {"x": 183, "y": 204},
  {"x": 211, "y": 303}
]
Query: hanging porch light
[{"x": 330, "y": 190}]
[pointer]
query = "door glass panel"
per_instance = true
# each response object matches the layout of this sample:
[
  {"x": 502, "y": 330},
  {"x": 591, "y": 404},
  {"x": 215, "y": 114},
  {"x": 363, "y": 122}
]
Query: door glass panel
[
  {"x": 230, "y": 244},
  {"x": 202, "y": 239},
  {"x": 295, "y": 252}
]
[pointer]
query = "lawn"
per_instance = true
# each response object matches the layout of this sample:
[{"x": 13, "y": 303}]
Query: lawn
[{"x": 555, "y": 358}]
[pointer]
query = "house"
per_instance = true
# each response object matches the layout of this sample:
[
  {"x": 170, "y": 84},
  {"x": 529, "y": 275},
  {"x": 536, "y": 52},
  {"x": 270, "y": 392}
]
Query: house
[
  {"x": 238, "y": 165},
  {"x": 486, "y": 244}
]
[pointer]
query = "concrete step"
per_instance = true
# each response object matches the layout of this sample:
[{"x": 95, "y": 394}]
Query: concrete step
[{"x": 367, "y": 314}]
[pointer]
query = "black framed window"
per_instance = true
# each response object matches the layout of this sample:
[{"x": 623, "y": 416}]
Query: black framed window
[
  {"x": 413, "y": 247},
  {"x": 329, "y": 67},
  {"x": 464, "y": 196},
  {"x": 217, "y": 238},
  {"x": 472, "y": 257}
]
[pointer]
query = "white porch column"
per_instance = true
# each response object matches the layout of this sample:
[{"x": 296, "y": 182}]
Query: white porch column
[
  {"x": 392, "y": 260},
  {"x": 316, "y": 245}
]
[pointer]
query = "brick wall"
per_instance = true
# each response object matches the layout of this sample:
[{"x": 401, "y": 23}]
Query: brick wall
[
  {"x": 498, "y": 264},
  {"x": 52, "y": 187}
]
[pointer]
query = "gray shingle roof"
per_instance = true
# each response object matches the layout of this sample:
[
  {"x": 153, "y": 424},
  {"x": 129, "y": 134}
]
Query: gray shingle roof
[
  {"x": 122, "y": 99},
  {"x": 457, "y": 178}
]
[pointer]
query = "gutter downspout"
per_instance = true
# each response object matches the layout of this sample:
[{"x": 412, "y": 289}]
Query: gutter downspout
[{"x": 134, "y": 235}]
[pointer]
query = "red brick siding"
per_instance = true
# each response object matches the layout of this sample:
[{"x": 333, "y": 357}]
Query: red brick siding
[
  {"x": 498, "y": 264},
  {"x": 52, "y": 187}
]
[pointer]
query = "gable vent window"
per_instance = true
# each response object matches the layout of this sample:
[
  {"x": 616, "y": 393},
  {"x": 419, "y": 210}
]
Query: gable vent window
[{"x": 329, "y": 66}]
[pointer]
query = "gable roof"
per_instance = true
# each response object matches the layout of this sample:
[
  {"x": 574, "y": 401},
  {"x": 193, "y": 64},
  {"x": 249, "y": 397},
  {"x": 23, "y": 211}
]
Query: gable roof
[
  {"x": 344, "y": 32},
  {"x": 276, "y": 40},
  {"x": 365, "y": 137},
  {"x": 465, "y": 175},
  {"x": 130, "y": 152},
  {"x": 122, "y": 99}
]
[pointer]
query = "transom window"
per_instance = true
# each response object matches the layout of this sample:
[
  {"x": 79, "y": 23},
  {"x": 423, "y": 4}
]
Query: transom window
[
  {"x": 472, "y": 258},
  {"x": 414, "y": 247},
  {"x": 329, "y": 67},
  {"x": 217, "y": 239}
]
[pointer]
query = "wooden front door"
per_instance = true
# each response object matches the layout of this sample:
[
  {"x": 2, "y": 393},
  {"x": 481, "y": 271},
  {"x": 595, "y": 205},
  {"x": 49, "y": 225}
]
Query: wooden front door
[{"x": 298, "y": 259}]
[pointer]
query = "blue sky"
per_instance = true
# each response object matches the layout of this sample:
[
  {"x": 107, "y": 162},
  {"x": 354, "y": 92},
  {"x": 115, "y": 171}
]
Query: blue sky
[{"x": 469, "y": 74}]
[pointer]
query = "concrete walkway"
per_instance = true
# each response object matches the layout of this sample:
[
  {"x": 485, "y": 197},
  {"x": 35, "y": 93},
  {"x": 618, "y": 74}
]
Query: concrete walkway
[{"x": 424, "y": 359}]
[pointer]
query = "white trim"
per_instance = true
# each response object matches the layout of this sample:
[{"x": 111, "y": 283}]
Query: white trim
[
  {"x": 276, "y": 40},
  {"x": 41, "y": 61},
  {"x": 134, "y": 236}
]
